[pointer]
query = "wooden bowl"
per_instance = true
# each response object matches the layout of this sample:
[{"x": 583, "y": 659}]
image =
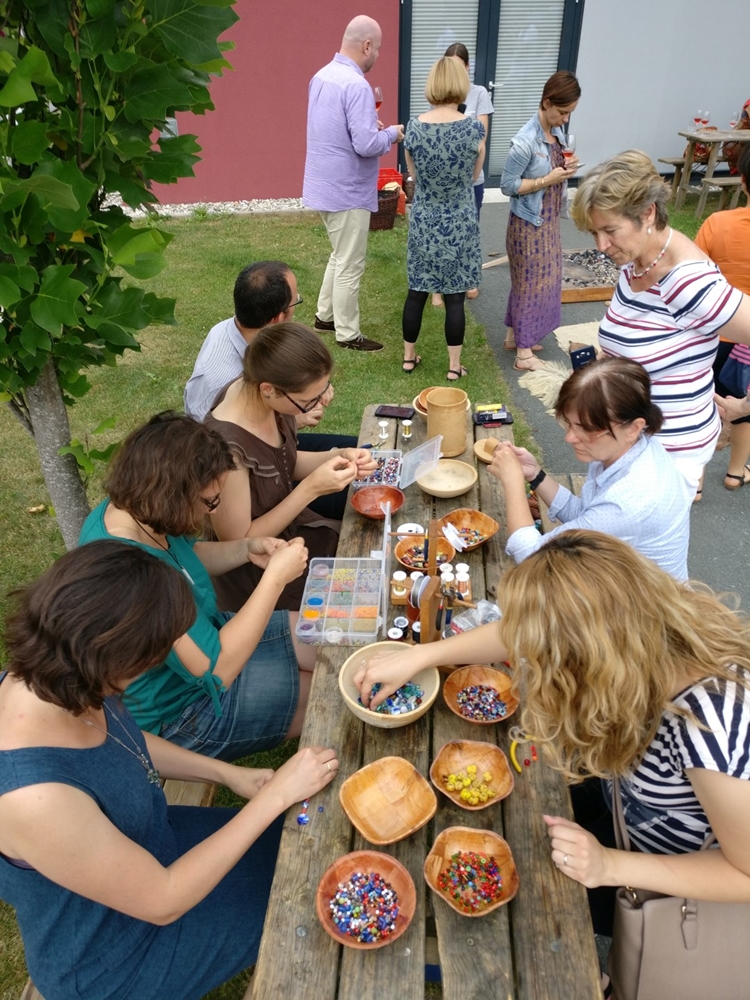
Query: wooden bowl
[
  {"x": 401, "y": 548},
  {"x": 428, "y": 679},
  {"x": 367, "y": 501},
  {"x": 420, "y": 405},
  {"x": 366, "y": 861},
  {"x": 475, "y": 675},
  {"x": 458, "y": 755},
  {"x": 468, "y": 518},
  {"x": 463, "y": 838},
  {"x": 387, "y": 800},
  {"x": 484, "y": 448},
  {"x": 449, "y": 478}
]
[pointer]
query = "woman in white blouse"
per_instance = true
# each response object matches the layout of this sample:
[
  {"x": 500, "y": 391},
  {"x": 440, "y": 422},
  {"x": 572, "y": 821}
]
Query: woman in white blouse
[{"x": 634, "y": 490}]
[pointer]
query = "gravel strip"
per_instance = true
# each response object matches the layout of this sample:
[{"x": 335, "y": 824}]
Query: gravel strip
[{"x": 251, "y": 207}]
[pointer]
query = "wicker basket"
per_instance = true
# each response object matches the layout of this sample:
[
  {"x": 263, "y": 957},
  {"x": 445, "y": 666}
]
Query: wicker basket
[{"x": 386, "y": 213}]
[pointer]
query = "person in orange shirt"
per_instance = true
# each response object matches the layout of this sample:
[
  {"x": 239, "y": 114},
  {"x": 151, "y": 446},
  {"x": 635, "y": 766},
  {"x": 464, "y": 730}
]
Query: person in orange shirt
[{"x": 725, "y": 237}]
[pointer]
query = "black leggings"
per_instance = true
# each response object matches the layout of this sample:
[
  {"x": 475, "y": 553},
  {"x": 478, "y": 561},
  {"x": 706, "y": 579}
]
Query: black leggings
[{"x": 455, "y": 318}]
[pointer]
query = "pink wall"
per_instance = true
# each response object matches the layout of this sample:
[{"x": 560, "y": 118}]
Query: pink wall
[{"x": 254, "y": 142}]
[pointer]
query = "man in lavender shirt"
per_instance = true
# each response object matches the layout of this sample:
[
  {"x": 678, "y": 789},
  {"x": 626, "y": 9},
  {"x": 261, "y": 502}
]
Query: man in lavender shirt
[{"x": 344, "y": 141}]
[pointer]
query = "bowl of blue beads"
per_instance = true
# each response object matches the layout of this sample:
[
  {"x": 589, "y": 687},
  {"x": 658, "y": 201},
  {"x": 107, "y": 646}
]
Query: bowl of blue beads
[
  {"x": 366, "y": 900},
  {"x": 408, "y": 703},
  {"x": 480, "y": 694}
]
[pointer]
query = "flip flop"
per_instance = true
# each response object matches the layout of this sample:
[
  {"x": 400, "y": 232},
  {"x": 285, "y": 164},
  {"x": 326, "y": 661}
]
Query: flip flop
[
  {"x": 410, "y": 361},
  {"x": 457, "y": 373},
  {"x": 741, "y": 480}
]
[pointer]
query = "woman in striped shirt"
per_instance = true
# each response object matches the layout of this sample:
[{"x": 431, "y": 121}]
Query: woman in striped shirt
[
  {"x": 626, "y": 672},
  {"x": 669, "y": 304}
]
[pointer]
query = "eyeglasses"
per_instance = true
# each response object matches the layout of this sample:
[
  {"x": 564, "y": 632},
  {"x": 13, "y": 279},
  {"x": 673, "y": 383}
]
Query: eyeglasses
[
  {"x": 313, "y": 402},
  {"x": 211, "y": 503},
  {"x": 297, "y": 302}
]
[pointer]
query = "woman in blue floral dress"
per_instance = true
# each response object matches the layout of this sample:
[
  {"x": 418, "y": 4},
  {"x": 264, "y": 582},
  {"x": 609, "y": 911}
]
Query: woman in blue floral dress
[{"x": 444, "y": 153}]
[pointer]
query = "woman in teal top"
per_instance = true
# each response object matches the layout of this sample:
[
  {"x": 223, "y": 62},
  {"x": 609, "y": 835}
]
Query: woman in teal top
[{"x": 233, "y": 684}]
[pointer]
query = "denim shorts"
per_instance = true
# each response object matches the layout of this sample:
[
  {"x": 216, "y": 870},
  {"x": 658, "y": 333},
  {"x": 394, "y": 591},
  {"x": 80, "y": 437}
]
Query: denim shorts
[{"x": 257, "y": 708}]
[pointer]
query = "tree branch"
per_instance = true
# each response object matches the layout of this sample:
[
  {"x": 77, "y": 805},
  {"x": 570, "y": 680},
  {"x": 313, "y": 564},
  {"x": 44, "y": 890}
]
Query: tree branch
[{"x": 17, "y": 406}]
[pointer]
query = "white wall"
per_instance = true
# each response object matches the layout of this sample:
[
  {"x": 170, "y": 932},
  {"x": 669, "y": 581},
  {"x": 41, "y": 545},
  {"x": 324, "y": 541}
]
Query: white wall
[{"x": 645, "y": 66}]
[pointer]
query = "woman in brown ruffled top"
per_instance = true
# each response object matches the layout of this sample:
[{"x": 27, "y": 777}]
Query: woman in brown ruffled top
[{"x": 287, "y": 370}]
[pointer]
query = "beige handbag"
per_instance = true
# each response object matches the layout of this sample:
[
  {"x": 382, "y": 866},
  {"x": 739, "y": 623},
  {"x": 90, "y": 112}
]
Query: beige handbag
[{"x": 665, "y": 948}]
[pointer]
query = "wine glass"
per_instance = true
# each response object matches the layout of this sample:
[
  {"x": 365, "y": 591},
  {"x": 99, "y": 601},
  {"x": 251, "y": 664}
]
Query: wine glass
[
  {"x": 697, "y": 118},
  {"x": 378, "y": 97},
  {"x": 733, "y": 119},
  {"x": 705, "y": 118},
  {"x": 568, "y": 146}
]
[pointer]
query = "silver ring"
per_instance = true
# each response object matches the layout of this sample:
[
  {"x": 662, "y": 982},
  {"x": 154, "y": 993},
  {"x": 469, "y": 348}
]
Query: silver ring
[
  {"x": 328, "y": 764},
  {"x": 565, "y": 860}
]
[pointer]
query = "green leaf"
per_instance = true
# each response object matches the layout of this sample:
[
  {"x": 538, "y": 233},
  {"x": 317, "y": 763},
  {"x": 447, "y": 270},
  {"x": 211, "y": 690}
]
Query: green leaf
[
  {"x": 120, "y": 307},
  {"x": 34, "y": 339},
  {"x": 133, "y": 140},
  {"x": 98, "y": 8},
  {"x": 33, "y": 68},
  {"x": 9, "y": 292},
  {"x": 64, "y": 217},
  {"x": 159, "y": 311},
  {"x": 97, "y": 37},
  {"x": 49, "y": 190},
  {"x": 120, "y": 62},
  {"x": 176, "y": 158},
  {"x": 152, "y": 92},
  {"x": 51, "y": 20},
  {"x": 7, "y": 62},
  {"x": 24, "y": 277},
  {"x": 28, "y": 141},
  {"x": 54, "y": 304},
  {"x": 189, "y": 30},
  {"x": 139, "y": 251},
  {"x": 77, "y": 450},
  {"x": 17, "y": 90},
  {"x": 108, "y": 424}
]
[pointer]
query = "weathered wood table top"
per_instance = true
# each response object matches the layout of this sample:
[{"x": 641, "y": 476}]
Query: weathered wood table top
[
  {"x": 713, "y": 141},
  {"x": 539, "y": 946}
]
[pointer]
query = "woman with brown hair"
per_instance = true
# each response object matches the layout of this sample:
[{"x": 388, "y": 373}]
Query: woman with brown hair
[
  {"x": 625, "y": 672},
  {"x": 232, "y": 684},
  {"x": 633, "y": 489},
  {"x": 287, "y": 370},
  {"x": 535, "y": 177},
  {"x": 116, "y": 893}
]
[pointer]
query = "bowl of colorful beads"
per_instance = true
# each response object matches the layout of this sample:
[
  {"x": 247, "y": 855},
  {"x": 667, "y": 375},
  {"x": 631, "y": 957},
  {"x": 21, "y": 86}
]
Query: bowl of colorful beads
[
  {"x": 408, "y": 703},
  {"x": 472, "y": 774},
  {"x": 369, "y": 501},
  {"x": 480, "y": 694},
  {"x": 387, "y": 800},
  {"x": 366, "y": 900},
  {"x": 473, "y": 526},
  {"x": 472, "y": 870},
  {"x": 410, "y": 552}
]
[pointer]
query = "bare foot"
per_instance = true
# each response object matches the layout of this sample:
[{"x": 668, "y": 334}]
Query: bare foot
[
  {"x": 473, "y": 293},
  {"x": 529, "y": 365},
  {"x": 510, "y": 345}
]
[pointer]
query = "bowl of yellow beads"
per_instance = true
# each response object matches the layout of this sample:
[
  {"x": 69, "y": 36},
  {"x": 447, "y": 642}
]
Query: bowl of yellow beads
[{"x": 472, "y": 774}]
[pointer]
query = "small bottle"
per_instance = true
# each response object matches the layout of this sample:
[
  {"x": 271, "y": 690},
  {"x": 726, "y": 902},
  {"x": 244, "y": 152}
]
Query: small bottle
[
  {"x": 462, "y": 583},
  {"x": 383, "y": 434},
  {"x": 445, "y": 568},
  {"x": 406, "y": 429},
  {"x": 399, "y": 583},
  {"x": 462, "y": 568},
  {"x": 447, "y": 579}
]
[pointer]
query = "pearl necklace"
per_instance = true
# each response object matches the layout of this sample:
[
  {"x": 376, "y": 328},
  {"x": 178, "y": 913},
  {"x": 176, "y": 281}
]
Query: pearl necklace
[
  {"x": 151, "y": 772},
  {"x": 641, "y": 274}
]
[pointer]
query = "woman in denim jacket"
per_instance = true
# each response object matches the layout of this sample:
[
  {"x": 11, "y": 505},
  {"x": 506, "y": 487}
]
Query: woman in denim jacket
[{"x": 536, "y": 181}]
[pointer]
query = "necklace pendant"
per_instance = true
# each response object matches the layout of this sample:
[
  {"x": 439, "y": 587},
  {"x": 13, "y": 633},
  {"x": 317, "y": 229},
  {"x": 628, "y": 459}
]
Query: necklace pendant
[{"x": 153, "y": 776}]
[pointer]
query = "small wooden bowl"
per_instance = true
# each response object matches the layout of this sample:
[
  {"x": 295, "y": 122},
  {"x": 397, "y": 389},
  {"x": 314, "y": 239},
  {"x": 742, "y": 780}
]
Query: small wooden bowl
[
  {"x": 484, "y": 448},
  {"x": 472, "y": 676},
  {"x": 367, "y": 501},
  {"x": 467, "y": 517},
  {"x": 458, "y": 754},
  {"x": 420, "y": 405},
  {"x": 387, "y": 800},
  {"x": 428, "y": 679},
  {"x": 463, "y": 838},
  {"x": 402, "y": 547},
  {"x": 366, "y": 861},
  {"x": 449, "y": 478}
]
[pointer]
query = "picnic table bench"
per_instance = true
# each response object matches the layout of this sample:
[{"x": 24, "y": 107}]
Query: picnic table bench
[
  {"x": 713, "y": 139},
  {"x": 538, "y": 947}
]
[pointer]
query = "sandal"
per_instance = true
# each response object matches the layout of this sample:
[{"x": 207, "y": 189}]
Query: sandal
[
  {"x": 412, "y": 362},
  {"x": 741, "y": 480},
  {"x": 456, "y": 373},
  {"x": 529, "y": 365}
]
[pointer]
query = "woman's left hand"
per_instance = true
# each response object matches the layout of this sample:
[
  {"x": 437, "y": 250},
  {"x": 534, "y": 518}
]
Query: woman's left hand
[
  {"x": 506, "y": 466},
  {"x": 577, "y": 853},
  {"x": 260, "y": 550},
  {"x": 362, "y": 458},
  {"x": 247, "y": 781}
]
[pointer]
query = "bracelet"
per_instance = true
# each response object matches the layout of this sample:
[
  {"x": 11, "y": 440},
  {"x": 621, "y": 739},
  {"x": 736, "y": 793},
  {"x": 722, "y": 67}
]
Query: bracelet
[{"x": 538, "y": 479}]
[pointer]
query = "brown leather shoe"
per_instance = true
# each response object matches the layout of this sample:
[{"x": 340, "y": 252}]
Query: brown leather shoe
[
  {"x": 325, "y": 327},
  {"x": 361, "y": 343}
]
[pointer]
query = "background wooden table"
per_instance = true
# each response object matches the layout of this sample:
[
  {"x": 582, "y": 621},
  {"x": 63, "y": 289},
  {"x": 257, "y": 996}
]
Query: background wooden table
[{"x": 539, "y": 946}]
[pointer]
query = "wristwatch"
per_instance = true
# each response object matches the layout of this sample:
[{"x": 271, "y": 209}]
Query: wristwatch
[{"x": 538, "y": 479}]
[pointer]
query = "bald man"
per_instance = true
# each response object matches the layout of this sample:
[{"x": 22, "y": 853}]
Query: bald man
[{"x": 344, "y": 141}]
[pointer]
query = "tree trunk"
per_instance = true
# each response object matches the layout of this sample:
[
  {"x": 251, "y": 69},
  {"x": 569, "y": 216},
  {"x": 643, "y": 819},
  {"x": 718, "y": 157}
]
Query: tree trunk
[{"x": 49, "y": 419}]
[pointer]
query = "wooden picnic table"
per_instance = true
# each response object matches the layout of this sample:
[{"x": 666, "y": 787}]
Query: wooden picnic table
[
  {"x": 713, "y": 140},
  {"x": 538, "y": 947}
]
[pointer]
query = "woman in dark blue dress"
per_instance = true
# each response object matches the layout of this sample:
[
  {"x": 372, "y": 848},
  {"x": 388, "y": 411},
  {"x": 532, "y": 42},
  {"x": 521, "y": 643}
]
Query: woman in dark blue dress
[
  {"x": 117, "y": 894},
  {"x": 444, "y": 153}
]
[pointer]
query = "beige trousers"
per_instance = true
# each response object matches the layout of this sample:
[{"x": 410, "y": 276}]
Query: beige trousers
[{"x": 339, "y": 294}]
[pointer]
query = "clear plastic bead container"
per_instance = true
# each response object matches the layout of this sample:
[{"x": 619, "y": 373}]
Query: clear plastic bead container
[{"x": 342, "y": 602}]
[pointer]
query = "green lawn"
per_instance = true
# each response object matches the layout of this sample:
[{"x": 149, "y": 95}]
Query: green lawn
[{"x": 204, "y": 260}]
